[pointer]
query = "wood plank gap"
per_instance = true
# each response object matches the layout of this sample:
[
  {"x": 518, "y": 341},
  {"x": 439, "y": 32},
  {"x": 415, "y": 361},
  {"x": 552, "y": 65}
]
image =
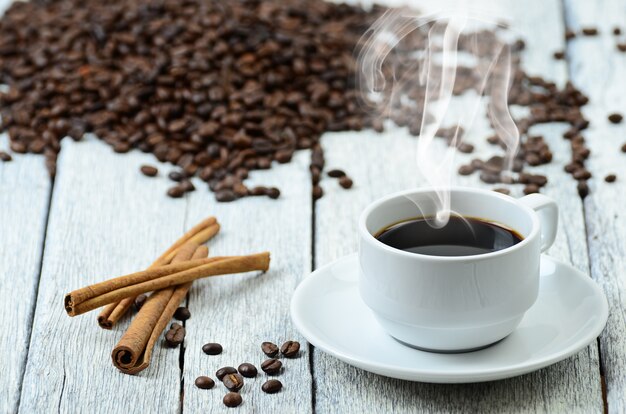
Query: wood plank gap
[
  {"x": 181, "y": 356},
  {"x": 31, "y": 317},
  {"x": 311, "y": 347}
]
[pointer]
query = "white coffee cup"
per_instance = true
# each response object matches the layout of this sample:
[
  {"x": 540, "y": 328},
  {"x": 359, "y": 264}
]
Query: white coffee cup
[{"x": 459, "y": 303}]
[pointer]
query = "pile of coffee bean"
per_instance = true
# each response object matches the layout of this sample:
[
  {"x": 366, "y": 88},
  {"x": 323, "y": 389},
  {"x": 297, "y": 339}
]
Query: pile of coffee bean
[
  {"x": 233, "y": 378},
  {"x": 215, "y": 88},
  {"x": 218, "y": 88}
]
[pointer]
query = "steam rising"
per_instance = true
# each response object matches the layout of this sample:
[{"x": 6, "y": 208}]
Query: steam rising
[{"x": 421, "y": 63}]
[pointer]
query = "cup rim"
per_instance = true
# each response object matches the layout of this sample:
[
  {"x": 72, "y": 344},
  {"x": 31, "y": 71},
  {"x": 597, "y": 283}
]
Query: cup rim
[{"x": 368, "y": 237}]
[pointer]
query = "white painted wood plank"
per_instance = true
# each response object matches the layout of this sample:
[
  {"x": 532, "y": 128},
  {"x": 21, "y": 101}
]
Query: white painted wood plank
[
  {"x": 383, "y": 164},
  {"x": 106, "y": 219},
  {"x": 24, "y": 195},
  {"x": 242, "y": 311},
  {"x": 598, "y": 69}
]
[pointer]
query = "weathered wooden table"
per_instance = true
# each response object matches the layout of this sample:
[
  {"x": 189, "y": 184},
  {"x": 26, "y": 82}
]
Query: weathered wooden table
[{"x": 100, "y": 217}]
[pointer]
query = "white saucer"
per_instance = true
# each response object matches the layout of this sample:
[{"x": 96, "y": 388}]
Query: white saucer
[{"x": 570, "y": 313}]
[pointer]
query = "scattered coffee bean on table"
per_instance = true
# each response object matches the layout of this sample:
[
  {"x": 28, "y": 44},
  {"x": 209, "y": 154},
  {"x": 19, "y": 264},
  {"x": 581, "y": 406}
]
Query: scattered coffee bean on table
[
  {"x": 559, "y": 55},
  {"x": 4, "y": 156},
  {"x": 590, "y": 31},
  {"x": 272, "y": 386},
  {"x": 615, "y": 118},
  {"x": 623, "y": 147},
  {"x": 149, "y": 170},
  {"x": 176, "y": 191},
  {"x": 247, "y": 370},
  {"x": 232, "y": 399},
  {"x": 290, "y": 349},
  {"x": 345, "y": 182},
  {"x": 617, "y": 31},
  {"x": 610, "y": 178},
  {"x": 336, "y": 173},
  {"x": 234, "y": 382},
  {"x": 270, "y": 349},
  {"x": 140, "y": 300},
  {"x": 225, "y": 371},
  {"x": 502, "y": 190},
  {"x": 182, "y": 313},
  {"x": 465, "y": 169},
  {"x": 583, "y": 188},
  {"x": 212, "y": 348},
  {"x": 176, "y": 176},
  {"x": 175, "y": 335},
  {"x": 271, "y": 366},
  {"x": 204, "y": 382},
  {"x": 621, "y": 47}
]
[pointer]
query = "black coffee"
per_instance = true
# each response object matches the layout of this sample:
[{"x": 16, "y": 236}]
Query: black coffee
[{"x": 462, "y": 236}]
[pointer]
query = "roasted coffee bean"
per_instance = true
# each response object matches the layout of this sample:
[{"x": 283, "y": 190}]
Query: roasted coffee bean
[
  {"x": 590, "y": 31},
  {"x": 270, "y": 349},
  {"x": 175, "y": 335},
  {"x": 225, "y": 371},
  {"x": 176, "y": 176},
  {"x": 582, "y": 174},
  {"x": 559, "y": 55},
  {"x": 583, "y": 188},
  {"x": 531, "y": 188},
  {"x": 318, "y": 192},
  {"x": 4, "y": 156},
  {"x": 345, "y": 182},
  {"x": 225, "y": 195},
  {"x": 621, "y": 47},
  {"x": 272, "y": 386},
  {"x": 465, "y": 170},
  {"x": 258, "y": 191},
  {"x": 234, "y": 382},
  {"x": 465, "y": 148},
  {"x": 290, "y": 349},
  {"x": 623, "y": 148},
  {"x": 489, "y": 178},
  {"x": 187, "y": 186},
  {"x": 502, "y": 190},
  {"x": 247, "y": 370},
  {"x": 569, "y": 34},
  {"x": 176, "y": 192},
  {"x": 232, "y": 399},
  {"x": 617, "y": 31},
  {"x": 182, "y": 313},
  {"x": 336, "y": 173},
  {"x": 610, "y": 178},
  {"x": 615, "y": 118},
  {"x": 271, "y": 366},
  {"x": 140, "y": 300},
  {"x": 149, "y": 171},
  {"x": 273, "y": 192},
  {"x": 204, "y": 383},
  {"x": 212, "y": 348}
]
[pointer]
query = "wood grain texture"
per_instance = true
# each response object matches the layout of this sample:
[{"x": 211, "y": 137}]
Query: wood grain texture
[
  {"x": 242, "y": 311},
  {"x": 24, "y": 195},
  {"x": 105, "y": 218},
  {"x": 598, "y": 69},
  {"x": 383, "y": 164}
]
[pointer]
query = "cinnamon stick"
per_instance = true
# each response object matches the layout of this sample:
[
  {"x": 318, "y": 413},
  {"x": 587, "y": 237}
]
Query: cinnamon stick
[
  {"x": 125, "y": 287},
  {"x": 133, "y": 352},
  {"x": 200, "y": 233}
]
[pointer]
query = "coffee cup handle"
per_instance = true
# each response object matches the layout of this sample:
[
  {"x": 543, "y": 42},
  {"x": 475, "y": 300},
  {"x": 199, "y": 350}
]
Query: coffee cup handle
[{"x": 548, "y": 212}]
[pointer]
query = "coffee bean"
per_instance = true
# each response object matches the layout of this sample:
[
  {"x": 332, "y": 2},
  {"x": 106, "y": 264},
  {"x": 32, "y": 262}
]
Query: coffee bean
[
  {"x": 290, "y": 349},
  {"x": 175, "y": 335},
  {"x": 336, "y": 173},
  {"x": 610, "y": 178},
  {"x": 345, "y": 182},
  {"x": 270, "y": 349},
  {"x": 617, "y": 31},
  {"x": 272, "y": 386},
  {"x": 204, "y": 383},
  {"x": 502, "y": 190},
  {"x": 149, "y": 171},
  {"x": 531, "y": 188},
  {"x": 271, "y": 366},
  {"x": 559, "y": 55},
  {"x": 225, "y": 371},
  {"x": 213, "y": 348},
  {"x": 569, "y": 34},
  {"x": 234, "y": 382},
  {"x": 465, "y": 169},
  {"x": 615, "y": 118},
  {"x": 582, "y": 174},
  {"x": 489, "y": 178},
  {"x": 140, "y": 301},
  {"x": 258, "y": 191},
  {"x": 590, "y": 31},
  {"x": 176, "y": 192},
  {"x": 176, "y": 176},
  {"x": 182, "y": 313},
  {"x": 583, "y": 188},
  {"x": 623, "y": 147},
  {"x": 6, "y": 157},
  {"x": 273, "y": 192},
  {"x": 621, "y": 47},
  {"x": 232, "y": 399},
  {"x": 465, "y": 148},
  {"x": 225, "y": 195},
  {"x": 318, "y": 192},
  {"x": 187, "y": 186},
  {"x": 247, "y": 370}
]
